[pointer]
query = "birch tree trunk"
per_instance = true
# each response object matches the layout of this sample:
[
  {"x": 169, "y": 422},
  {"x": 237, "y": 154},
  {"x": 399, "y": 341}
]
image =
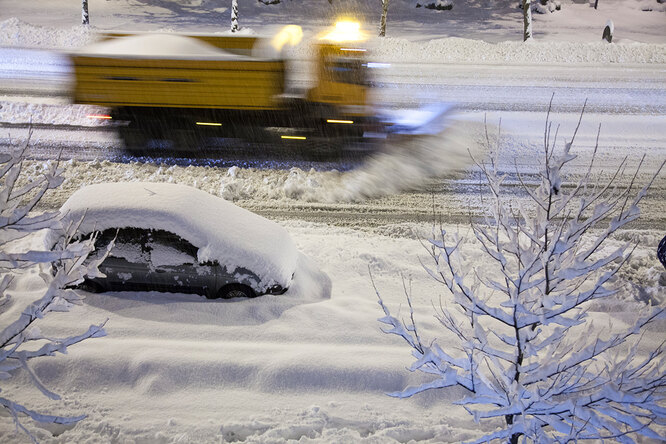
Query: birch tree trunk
[
  {"x": 382, "y": 23},
  {"x": 234, "y": 16},
  {"x": 527, "y": 20},
  {"x": 85, "y": 19}
]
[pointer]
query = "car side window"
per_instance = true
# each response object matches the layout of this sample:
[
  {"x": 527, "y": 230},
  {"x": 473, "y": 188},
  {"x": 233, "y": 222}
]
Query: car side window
[
  {"x": 154, "y": 247},
  {"x": 169, "y": 249},
  {"x": 130, "y": 244}
]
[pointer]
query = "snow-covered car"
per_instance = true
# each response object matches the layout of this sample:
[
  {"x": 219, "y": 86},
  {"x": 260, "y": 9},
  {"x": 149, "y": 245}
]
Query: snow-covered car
[{"x": 170, "y": 237}]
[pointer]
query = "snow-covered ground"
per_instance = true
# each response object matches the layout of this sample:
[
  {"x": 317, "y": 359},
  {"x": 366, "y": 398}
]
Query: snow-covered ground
[
  {"x": 312, "y": 365},
  {"x": 498, "y": 21},
  {"x": 309, "y": 365}
]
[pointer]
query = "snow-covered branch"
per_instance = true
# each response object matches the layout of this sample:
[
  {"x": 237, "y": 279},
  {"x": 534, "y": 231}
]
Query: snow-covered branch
[
  {"x": 60, "y": 265},
  {"x": 523, "y": 343}
]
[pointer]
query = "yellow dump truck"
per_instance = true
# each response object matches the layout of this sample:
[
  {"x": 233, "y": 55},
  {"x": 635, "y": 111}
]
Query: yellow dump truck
[{"x": 188, "y": 88}]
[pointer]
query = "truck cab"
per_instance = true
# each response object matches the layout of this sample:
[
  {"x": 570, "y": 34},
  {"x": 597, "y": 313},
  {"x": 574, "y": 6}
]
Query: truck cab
[{"x": 341, "y": 70}]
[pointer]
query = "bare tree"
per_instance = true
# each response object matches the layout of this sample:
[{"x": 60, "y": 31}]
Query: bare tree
[
  {"x": 520, "y": 342},
  {"x": 382, "y": 21},
  {"x": 234, "y": 16},
  {"x": 527, "y": 20},
  {"x": 85, "y": 18},
  {"x": 61, "y": 266}
]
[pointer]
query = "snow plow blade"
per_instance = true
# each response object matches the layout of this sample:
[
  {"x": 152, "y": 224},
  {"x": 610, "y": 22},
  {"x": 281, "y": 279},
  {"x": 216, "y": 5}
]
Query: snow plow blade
[{"x": 429, "y": 119}]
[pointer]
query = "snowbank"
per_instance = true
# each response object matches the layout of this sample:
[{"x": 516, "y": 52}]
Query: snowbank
[
  {"x": 55, "y": 114},
  {"x": 14, "y": 32},
  {"x": 457, "y": 50},
  {"x": 402, "y": 165}
]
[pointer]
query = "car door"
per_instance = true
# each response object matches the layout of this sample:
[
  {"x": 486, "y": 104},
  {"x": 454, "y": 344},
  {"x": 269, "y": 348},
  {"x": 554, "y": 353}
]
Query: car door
[
  {"x": 126, "y": 267},
  {"x": 173, "y": 264}
]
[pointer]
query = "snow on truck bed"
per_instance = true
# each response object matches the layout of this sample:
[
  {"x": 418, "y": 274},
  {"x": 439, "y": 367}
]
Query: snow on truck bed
[
  {"x": 158, "y": 46},
  {"x": 222, "y": 231}
]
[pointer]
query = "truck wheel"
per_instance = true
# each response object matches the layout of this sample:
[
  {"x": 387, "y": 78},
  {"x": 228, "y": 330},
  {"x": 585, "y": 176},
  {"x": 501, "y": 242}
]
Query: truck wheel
[
  {"x": 134, "y": 139},
  {"x": 187, "y": 140},
  {"x": 325, "y": 150}
]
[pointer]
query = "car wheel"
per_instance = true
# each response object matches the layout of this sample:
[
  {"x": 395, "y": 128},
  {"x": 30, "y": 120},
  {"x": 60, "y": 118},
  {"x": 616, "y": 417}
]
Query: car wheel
[
  {"x": 231, "y": 291},
  {"x": 90, "y": 286}
]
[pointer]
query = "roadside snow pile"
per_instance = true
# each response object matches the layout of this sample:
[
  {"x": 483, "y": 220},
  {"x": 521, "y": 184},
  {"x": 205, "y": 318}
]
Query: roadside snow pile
[
  {"x": 20, "y": 112},
  {"x": 643, "y": 276},
  {"x": 14, "y": 32},
  {"x": 439, "y": 5},
  {"x": 457, "y": 50},
  {"x": 404, "y": 165},
  {"x": 648, "y": 5}
]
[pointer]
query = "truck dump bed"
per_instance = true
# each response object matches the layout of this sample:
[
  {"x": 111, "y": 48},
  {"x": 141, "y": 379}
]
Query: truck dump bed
[{"x": 176, "y": 71}]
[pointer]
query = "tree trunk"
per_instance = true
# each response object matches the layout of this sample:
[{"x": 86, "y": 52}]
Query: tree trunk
[
  {"x": 527, "y": 20},
  {"x": 516, "y": 436},
  {"x": 234, "y": 16},
  {"x": 382, "y": 23},
  {"x": 85, "y": 19}
]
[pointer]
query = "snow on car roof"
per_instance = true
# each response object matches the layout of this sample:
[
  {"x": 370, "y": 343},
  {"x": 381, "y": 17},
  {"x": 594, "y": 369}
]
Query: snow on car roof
[
  {"x": 162, "y": 46},
  {"x": 221, "y": 230}
]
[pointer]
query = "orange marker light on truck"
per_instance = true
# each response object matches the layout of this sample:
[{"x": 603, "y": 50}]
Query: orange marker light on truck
[
  {"x": 294, "y": 137},
  {"x": 339, "y": 121},
  {"x": 99, "y": 116},
  {"x": 209, "y": 124}
]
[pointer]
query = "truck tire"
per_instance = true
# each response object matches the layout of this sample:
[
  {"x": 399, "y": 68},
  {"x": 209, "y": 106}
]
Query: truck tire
[{"x": 134, "y": 140}]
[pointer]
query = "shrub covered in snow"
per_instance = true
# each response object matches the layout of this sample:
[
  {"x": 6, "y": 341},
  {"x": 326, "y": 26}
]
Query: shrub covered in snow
[
  {"x": 439, "y": 5},
  {"x": 543, "y": 6},
  {"x": 546, "y": 6},
  {"x": 21, "y": 339},
  {"x": 518, "y": 338}
]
